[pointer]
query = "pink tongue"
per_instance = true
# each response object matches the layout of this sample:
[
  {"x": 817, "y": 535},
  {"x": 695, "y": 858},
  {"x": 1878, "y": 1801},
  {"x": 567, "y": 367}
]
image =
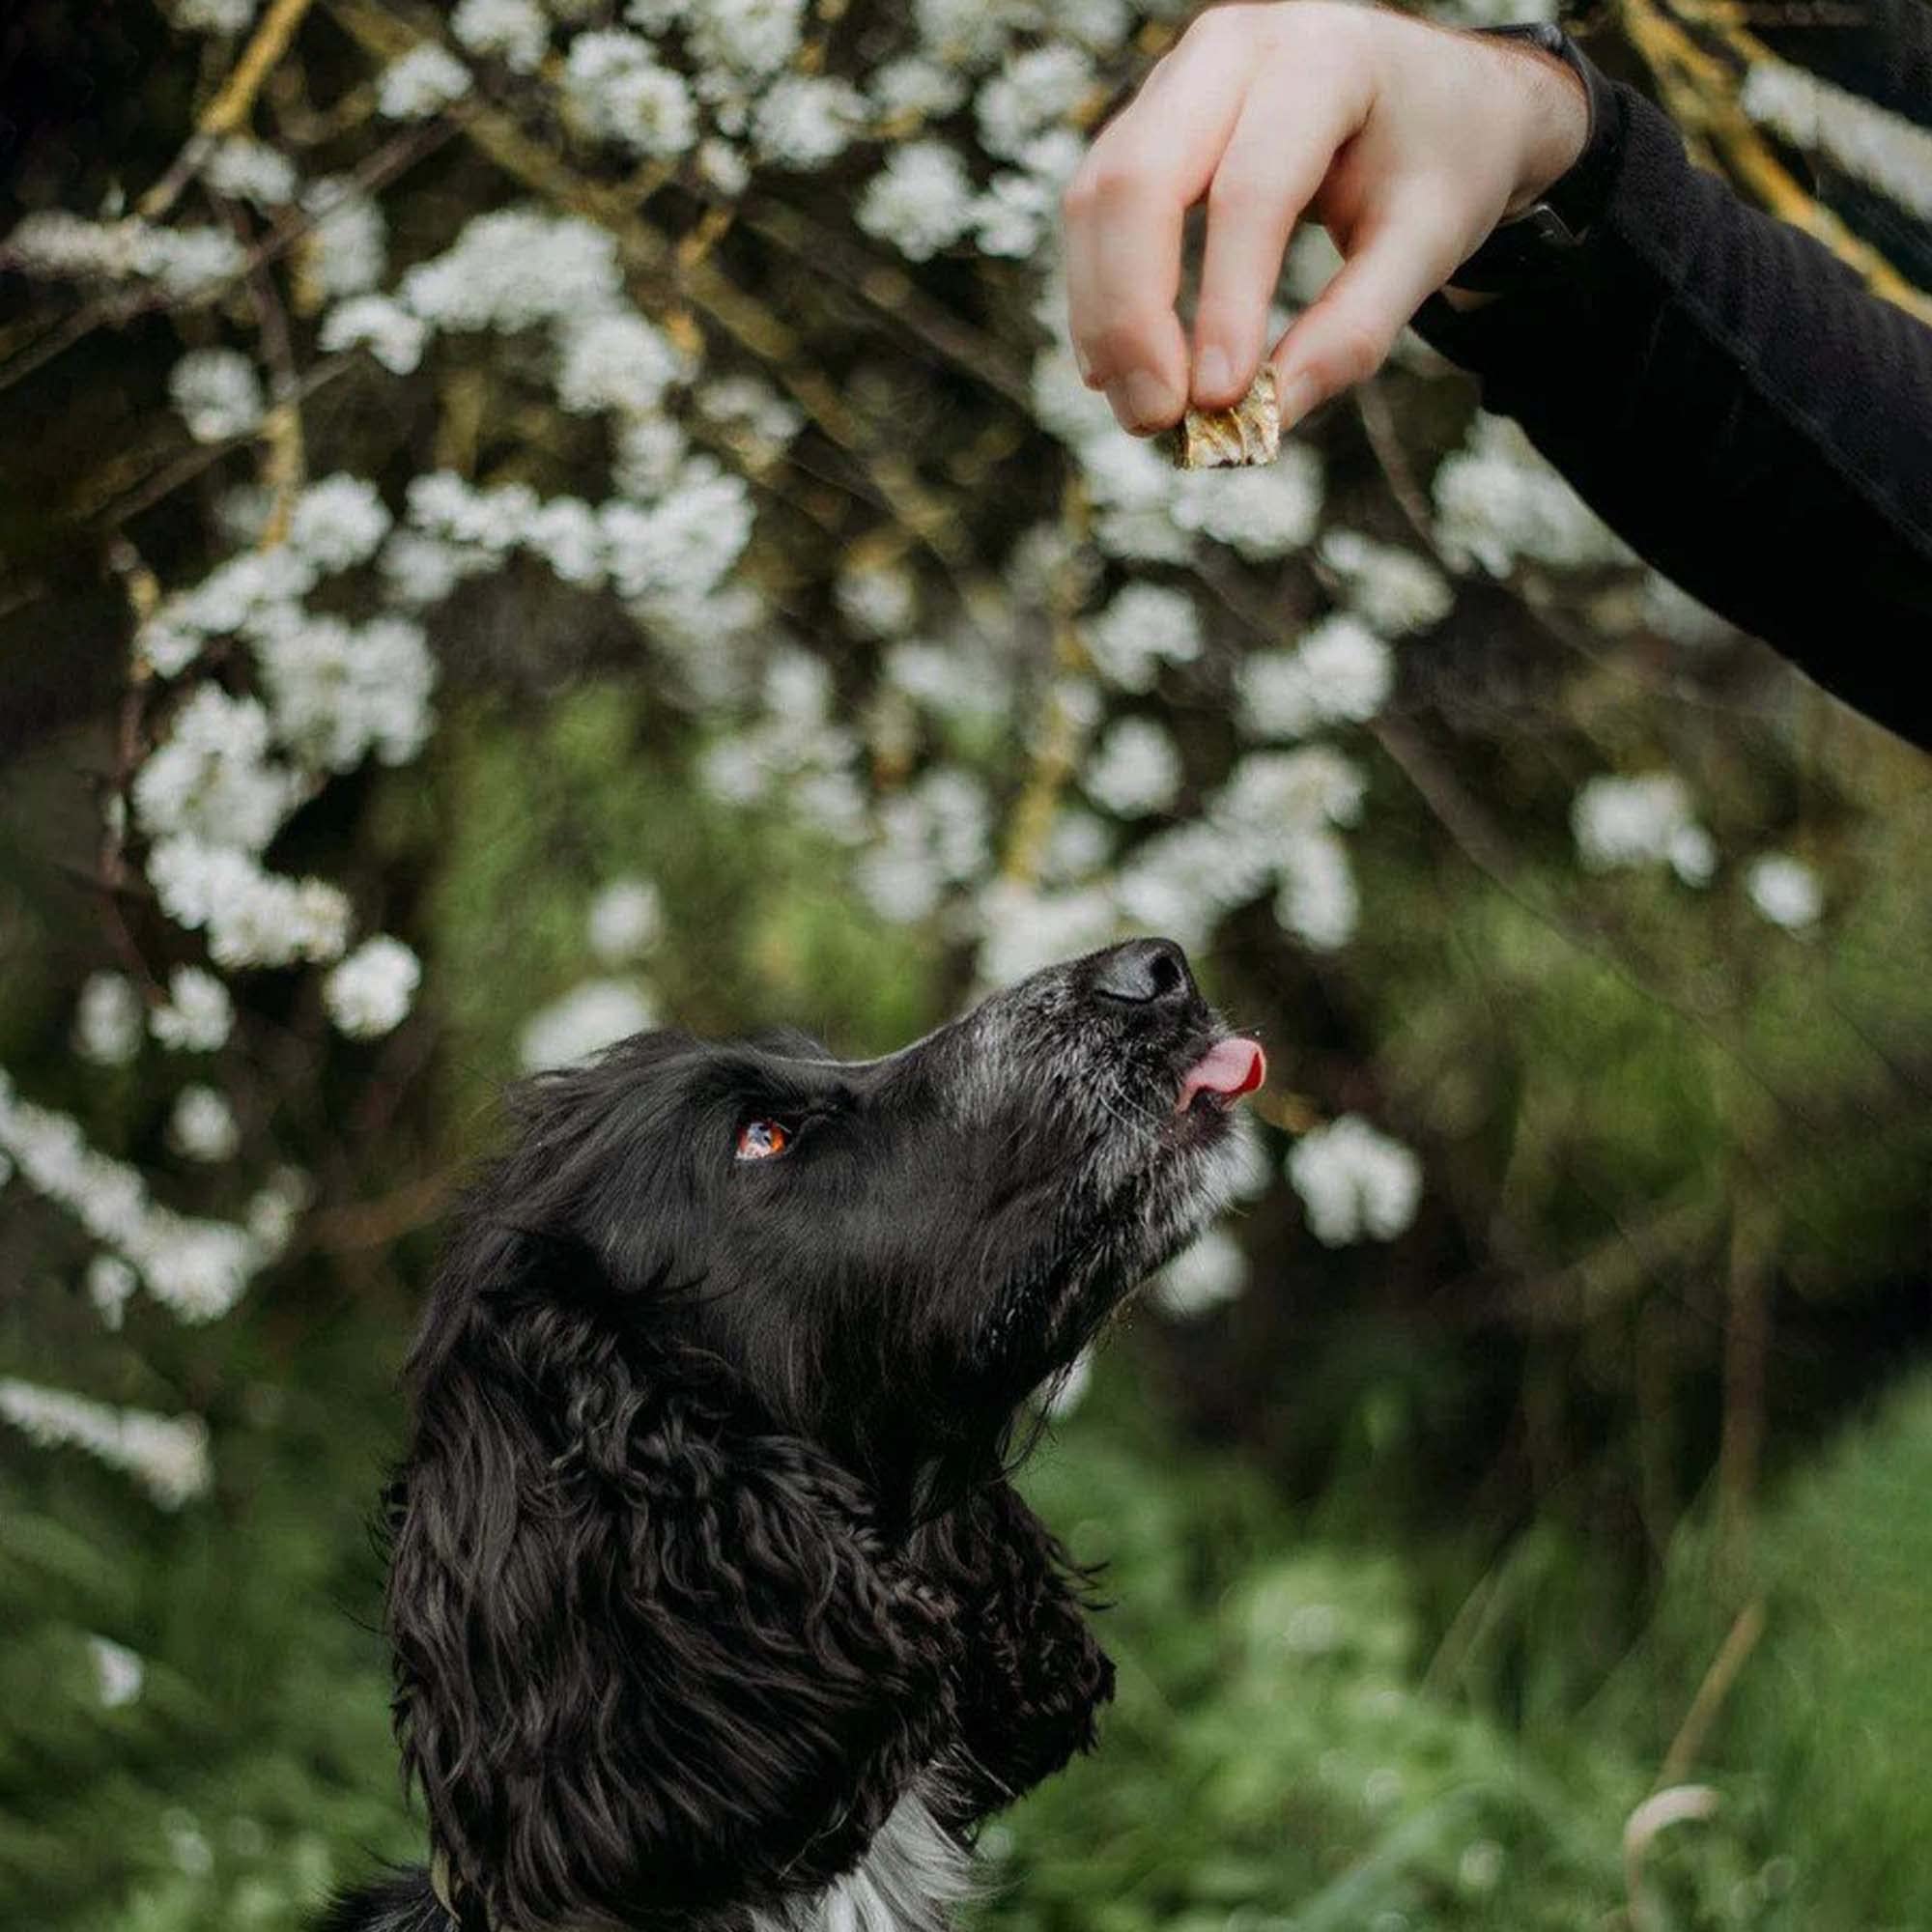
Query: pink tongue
[{"x": 1229, "y": 1067}]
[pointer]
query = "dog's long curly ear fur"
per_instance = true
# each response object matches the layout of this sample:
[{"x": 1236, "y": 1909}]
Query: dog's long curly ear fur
[
  {"x": 651, "y": 1662},
  {"x": 1030, "y": 1678}
]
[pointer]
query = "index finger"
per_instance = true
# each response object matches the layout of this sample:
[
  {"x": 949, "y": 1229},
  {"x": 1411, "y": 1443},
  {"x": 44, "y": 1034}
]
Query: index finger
[{"x": 1123, "y": 211}]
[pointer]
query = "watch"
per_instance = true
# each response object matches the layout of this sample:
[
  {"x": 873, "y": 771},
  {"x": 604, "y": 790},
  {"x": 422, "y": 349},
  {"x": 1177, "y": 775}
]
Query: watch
[{"x": 1537, "y": 245}]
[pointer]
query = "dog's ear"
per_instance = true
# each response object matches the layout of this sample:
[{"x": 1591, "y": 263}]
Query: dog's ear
[
  {"x": 1030, "y": 1678},
  {"x": 651, "y": 1659}
]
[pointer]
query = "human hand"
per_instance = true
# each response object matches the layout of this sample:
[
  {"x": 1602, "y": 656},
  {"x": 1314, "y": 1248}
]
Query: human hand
[{"x": 1408, "y": 142}]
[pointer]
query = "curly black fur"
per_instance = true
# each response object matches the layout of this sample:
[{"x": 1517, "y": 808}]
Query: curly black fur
[{"x": 703, "y": 1558}]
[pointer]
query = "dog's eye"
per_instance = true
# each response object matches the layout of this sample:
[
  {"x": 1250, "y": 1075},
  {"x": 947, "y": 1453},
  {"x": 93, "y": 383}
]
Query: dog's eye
[{"x": 762, "y": 1140}]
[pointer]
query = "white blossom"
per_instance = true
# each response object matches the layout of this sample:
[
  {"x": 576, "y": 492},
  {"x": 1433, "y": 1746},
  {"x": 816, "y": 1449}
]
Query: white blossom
[
  {"x": 211, "y": 777},
  {"x": 1031, "y": 91},
  {"x": 166, "y": 1455},
  {"x": 1785, "y": 890},
  {"x": 246, "y": 170},
  {"x": 1340, "y": 673},
  {"x": 590, "y": 1016},
  {"x": 724, "y": 166},
  {"x": 1015, "y": 215},
  {"x": 421, "y": 82},
  {"x": 913, "y": 85},
  {"x": 1496, "y": 500},
  {"x": 217, "y": 393},
  {"x": 515, "y": 267},
  {"x": 1882, "y": 150},
  {"x": 1622, "y": 822},
  {"x": 1356, "y": 1183},
  {"x": 107, "y": 1020},
  {"x": 625, "y": 921},
  {"x": 686, "y": 542},
  {"x": 1394, "y": 591},
  {"x": 391, "y": 333},
  {"x": 755, "y": 37},
  {"x": 618, "y": 93},
  {"x": 803, "y": 121},
  {"x": 347, "y": 250},
  {"x": 198, "y": 1015},
  {"x": 1146, "y": 625},
  {"x": 934, "y": 836},
  {"x": 1267, "y": 512},
  {"x": 185, "y": 264},
  {"x": 339, "y": 692},
  {"x": 1317, "y": 900},
  {"x": 252, "y": 918},
  {"x": 272, "y": 1211},
  {"x": 616, "y": 361},
  {"x": 338, "y": 523},
  {"x": 110, "y": 1285},
  {"x": 423, "y": 570},
  {"x": 962, "y": 33},
  {"x": 515, "y": 31},
  {"x": 650, "y": 454},
  {"x": 566, "y": 534},
  {"x": 1134, "y": 770},
  {"x": 1269, "y": 794},
  {"x": 1023, "y": 928},
  {"x": 118, "y": 1673},
  {"x": 370, "y": 992},
  {"x": 922, "y": 201},
  {"x": 444, "y": 505},
  {"x": 203, "y": 1126},
  {"x": 879, "y": 600},
  {"x": 212, "y": 17},
  {"x": 1208, "y": 1272},
  {"x": 1079, "y": 846}
]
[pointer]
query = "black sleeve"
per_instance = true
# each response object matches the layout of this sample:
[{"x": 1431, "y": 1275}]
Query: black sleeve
[{"x": 1739, "y": 408}]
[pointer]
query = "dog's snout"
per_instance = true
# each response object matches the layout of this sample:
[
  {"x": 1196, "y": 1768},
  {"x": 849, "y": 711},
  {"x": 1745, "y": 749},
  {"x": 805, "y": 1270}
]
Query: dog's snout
[{"x": 1144, "y": 973}]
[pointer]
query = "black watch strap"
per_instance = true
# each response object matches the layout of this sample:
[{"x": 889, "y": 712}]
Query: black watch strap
[{"x": 1536, "y": 246}]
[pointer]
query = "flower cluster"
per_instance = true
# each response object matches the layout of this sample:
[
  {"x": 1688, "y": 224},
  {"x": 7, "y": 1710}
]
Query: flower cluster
[{"x": 1356, "y": 1183}]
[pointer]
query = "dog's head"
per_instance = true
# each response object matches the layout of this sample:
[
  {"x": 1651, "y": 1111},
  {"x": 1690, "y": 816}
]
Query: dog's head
[{"x": 706, "y": 1338}]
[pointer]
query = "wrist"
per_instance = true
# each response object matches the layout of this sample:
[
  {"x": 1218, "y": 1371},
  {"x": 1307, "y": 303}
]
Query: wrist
[{"x": 1556, "y": 121}]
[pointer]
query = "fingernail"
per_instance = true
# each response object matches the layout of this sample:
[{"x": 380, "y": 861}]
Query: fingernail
[
  {"x": 1295, "y": 397},
  {"x": 1213, "y": 373},
  {"x": 1081, "y": 363},
  {"x": 1149, "y": 400}
]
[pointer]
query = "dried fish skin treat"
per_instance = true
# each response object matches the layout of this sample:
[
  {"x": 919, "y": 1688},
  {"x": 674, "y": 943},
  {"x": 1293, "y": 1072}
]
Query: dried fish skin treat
[{"x": 1240, "y": 438}]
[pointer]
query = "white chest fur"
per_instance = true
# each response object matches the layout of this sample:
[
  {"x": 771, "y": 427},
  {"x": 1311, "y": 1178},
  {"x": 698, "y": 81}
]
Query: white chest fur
[{"x": 913, "y": 1874}]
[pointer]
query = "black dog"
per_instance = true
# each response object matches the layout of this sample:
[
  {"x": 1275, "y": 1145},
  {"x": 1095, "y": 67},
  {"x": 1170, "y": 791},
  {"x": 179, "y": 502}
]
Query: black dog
[{"x": 711, "y": 1605}]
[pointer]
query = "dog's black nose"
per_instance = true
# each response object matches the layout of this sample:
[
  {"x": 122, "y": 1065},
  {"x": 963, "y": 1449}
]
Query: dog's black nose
[{"x": 1144, "y": 973}]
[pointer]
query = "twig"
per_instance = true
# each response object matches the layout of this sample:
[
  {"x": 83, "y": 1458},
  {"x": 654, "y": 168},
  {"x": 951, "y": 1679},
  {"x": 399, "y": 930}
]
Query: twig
[
  {"x": 387, "y": 33},
  {"x": 164, "y": 482},
  {"x": 125, "y": 306},
  {"x": 1702, "y": 91},
  {"x": 1732, "y": 1655},
  {"x": 284, "y": 464}
]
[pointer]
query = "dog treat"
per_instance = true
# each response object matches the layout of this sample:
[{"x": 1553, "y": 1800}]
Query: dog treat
[{"x": 1238, "y": 438}]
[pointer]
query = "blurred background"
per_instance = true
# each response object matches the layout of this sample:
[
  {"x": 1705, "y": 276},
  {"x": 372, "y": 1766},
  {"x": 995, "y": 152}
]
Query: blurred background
[{"x": 523, "y": 520}]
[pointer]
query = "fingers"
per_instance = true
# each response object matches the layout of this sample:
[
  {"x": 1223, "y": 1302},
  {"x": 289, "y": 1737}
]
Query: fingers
[
  {"x": 1123, "y": 211},
  {"x": 1281, "y": 150},
  {"x": 1345, "y": 334}
]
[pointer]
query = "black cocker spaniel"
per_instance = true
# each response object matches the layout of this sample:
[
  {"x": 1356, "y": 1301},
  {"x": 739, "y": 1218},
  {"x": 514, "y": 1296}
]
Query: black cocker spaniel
[{"x": 712, "y": 1607}]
